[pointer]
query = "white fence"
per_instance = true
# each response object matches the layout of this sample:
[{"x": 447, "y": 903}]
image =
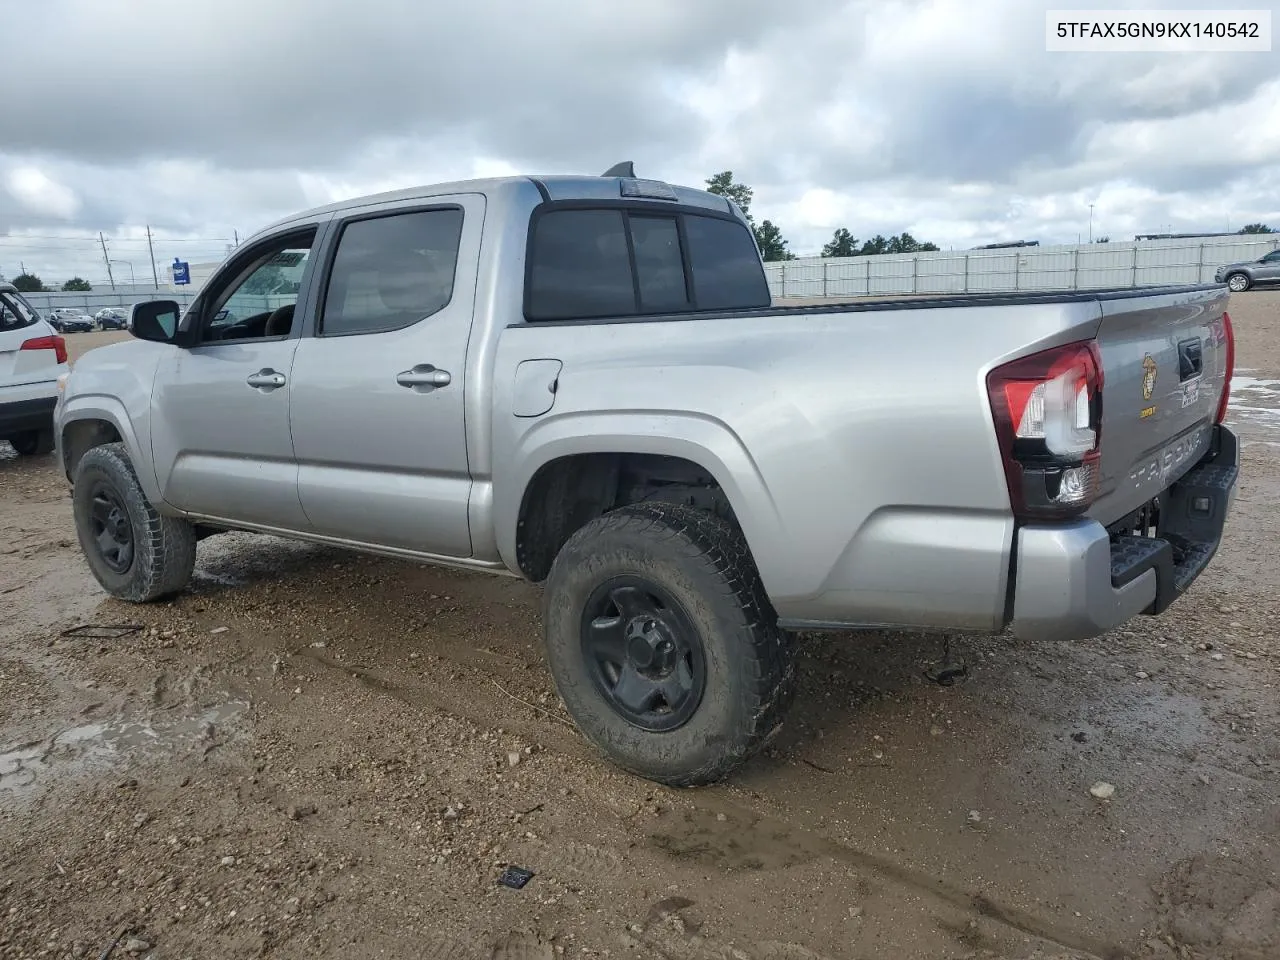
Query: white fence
[
  {"x": 1138, "y": 263},
  {"x": 94, "y": 301},
  {"x": 242, "y": 304}
]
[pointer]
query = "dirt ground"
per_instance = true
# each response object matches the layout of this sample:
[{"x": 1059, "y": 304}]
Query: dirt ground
[{"x": 314, "y": 754}]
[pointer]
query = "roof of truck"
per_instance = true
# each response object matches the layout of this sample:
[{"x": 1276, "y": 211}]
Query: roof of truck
[
  {"x": 7, "y": 287},
  {"x": 554, "y": 187}
]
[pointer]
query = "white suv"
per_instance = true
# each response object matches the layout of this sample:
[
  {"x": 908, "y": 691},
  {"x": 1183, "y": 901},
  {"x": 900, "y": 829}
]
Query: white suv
[{"x": 32, "y": 358}]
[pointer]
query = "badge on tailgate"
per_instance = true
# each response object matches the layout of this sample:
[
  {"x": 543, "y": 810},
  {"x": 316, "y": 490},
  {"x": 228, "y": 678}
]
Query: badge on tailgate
[{"x": 1148, "y": 384}]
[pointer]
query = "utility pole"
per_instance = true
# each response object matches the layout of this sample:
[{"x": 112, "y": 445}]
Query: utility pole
[
  {"x": 107, "y": 260},
  {"x": 236, "y": 234},
  {"x": 150, "y": 249},
  {"x": 1091, "y": 223}
]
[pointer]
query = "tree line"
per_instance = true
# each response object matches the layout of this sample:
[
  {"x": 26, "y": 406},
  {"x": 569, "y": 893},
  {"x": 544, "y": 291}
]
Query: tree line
[
  {"x": 843, "y": 243},
  {"x": 28, "y": 282},
  {"x": 774, "y": 247}
]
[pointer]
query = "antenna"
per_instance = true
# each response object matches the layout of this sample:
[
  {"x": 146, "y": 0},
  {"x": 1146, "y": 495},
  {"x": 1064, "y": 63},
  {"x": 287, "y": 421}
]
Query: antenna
[{"x": 624, "y": 169}]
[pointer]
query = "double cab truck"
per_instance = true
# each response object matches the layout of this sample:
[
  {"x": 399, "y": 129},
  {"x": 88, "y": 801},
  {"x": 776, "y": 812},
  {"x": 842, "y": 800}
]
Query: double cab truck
[{"x": 584, "y": 382}]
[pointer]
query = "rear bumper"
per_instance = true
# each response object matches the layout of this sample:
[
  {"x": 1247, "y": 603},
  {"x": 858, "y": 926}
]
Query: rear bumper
[
  {"x": 17, "y": 416},
  {"x": 1074, "y": 581}
]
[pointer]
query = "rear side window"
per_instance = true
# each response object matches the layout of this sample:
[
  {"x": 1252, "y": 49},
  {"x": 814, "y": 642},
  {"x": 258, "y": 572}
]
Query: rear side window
[
  {"x": 14, "y": 314},
  {"x": 581, "y": 267},
  {"x": 596, "y": 263},
  {"x": 390, "y": 272}
]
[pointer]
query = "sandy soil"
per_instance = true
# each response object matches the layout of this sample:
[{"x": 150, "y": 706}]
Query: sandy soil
[{"x": 313, "y": 754}]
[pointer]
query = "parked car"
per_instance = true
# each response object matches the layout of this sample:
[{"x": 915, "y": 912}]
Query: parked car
[
  {"x": 1241, "y": 276},
  {"x": 583, "y": 381},
  {"x": 70, "y": 320},
  {"x": 112, "y": 318},
  {"x": 32, "y": 358}
]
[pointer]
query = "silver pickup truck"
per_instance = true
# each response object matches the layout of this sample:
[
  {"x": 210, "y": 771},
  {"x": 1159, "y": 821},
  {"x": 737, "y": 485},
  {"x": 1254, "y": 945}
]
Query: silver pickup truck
[{"x": 583, "y": 381}]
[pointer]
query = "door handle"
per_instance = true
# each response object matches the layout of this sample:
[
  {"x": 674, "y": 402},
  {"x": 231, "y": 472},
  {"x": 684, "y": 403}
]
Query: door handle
[
  {"x": 1190, "y": 359},
  {"x": 424, "y": 377},
  {"x": 266, "y": 379}
]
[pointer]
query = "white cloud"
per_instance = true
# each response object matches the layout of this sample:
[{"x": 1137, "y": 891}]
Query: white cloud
[
  {"x": 39, "y": 194},
  {"x": 945, "y": 118}
]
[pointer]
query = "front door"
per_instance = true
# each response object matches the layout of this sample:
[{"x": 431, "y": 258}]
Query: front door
[
  {"x": 377, "y": 402},
  {"x": 1268, "y": 270},
  {"x": 220, "y": 435}
]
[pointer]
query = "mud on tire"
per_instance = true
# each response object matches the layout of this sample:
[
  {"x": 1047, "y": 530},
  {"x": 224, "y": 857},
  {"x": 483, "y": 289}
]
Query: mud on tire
[
  {"x": 706, "y": 675},
  {"x": 136, "y": 553}
]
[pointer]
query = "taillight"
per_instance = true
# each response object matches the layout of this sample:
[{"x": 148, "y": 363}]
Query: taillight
[
  {"x": 1048, "y": 415},
  {"x": 1229, "y": 335},
  {"x": 54, "y": 343}
]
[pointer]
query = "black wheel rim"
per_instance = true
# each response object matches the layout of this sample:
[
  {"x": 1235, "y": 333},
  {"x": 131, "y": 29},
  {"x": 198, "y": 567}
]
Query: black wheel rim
[
  {"x": 643, "y": 653},
  {"x": 110, "y": 527}
]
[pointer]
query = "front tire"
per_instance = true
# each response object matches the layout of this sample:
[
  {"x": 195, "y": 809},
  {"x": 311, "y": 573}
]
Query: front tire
[
  {"x": 32, "y": 443},
  {"x": 135, "y": 552},
  {"x": 663, "y": 645},
  {"x": 1238, "y": 282}
]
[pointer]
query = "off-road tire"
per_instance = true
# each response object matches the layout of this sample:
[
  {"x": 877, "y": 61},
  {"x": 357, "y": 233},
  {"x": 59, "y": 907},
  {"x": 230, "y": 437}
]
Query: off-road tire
[
  {"x": 1238, "y": 288},
  {"x": 164, "y": 548},
  {"x": 32, "y": 443},
  {"x": 702, "y": 561}
]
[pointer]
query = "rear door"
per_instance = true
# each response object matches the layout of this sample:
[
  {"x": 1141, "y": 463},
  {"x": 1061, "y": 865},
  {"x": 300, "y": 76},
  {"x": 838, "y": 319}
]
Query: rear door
[
  {"x": 1164, "y": 364},
  {"x": 377, "y": 403}
]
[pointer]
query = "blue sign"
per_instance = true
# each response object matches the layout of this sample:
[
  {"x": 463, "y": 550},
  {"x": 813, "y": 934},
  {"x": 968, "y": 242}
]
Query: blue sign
[{"x": 181, "y": 272}]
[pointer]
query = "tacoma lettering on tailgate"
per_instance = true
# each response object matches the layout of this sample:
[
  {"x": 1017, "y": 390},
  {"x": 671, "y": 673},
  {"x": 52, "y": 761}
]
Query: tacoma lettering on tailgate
[{"x": 1168, "y": 460}]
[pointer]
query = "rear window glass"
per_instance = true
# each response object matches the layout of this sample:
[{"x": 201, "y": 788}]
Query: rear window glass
[
  {"x": 14, "y": 314},
  {"x": 659, "y": 265},
  {"x": 726, "y": 267},
  {"x": 591, "y": 263}
]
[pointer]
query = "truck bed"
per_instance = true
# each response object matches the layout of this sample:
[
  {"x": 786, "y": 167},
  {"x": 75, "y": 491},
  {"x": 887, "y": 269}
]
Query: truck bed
[{"x": 863, "y": 429}]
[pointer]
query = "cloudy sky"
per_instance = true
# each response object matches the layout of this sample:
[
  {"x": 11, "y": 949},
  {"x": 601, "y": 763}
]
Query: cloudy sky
[{"x": 946, "y": 118}]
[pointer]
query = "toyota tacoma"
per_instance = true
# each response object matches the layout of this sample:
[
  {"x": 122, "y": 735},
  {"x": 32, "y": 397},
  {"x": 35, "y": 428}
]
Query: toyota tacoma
[{"x": 584, "y": 382}]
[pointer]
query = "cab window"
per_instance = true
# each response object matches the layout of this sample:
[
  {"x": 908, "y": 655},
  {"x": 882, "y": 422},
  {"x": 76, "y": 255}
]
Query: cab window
[{"x": 258, "y": 300}]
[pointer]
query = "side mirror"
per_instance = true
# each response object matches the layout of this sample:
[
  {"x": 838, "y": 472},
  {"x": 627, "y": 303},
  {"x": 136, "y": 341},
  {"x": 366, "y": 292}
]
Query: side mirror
[{"x": 155, "y": 320}]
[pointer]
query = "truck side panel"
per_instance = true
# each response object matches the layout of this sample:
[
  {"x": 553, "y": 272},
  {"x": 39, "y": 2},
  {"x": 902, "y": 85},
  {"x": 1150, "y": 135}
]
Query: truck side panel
[{"x": 853, "y": 430}]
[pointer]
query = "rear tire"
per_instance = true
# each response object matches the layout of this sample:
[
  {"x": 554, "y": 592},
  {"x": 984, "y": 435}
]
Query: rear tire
[
  {"x": 32, "y": 443},
  {"x": 136, "y": 553},
  {"x": 705, "y": 675},
  {"x": 1238, "y": 282}
]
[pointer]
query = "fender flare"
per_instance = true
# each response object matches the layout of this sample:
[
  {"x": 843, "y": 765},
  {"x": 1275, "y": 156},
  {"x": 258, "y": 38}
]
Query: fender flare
[
  {"x": 109, "y": 410},
  {"x": 705, "y": 441}
]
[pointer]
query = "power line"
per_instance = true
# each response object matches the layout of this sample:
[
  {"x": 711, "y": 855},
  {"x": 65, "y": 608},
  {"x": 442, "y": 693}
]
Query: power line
[{"x": 22, "y": 238}]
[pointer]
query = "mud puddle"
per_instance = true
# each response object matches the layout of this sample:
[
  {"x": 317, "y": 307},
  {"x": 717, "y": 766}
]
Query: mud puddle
[
  {"x": 1255, "y": 401},
  {"x": 26, "y": 768}
]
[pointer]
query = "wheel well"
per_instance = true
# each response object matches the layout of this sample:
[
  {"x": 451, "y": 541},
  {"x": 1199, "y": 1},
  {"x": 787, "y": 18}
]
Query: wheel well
[
  {"x": 568, "y": 493},
  {"x": 82, "y": 436}
]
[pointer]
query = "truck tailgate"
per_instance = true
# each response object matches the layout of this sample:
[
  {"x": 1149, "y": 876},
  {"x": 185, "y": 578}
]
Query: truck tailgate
[{"x": 1164, "y": 360}]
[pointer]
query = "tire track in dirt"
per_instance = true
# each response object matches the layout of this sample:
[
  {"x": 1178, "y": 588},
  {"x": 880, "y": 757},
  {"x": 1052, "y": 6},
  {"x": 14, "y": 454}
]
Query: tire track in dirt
[{"x": 721, "y": 842}]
